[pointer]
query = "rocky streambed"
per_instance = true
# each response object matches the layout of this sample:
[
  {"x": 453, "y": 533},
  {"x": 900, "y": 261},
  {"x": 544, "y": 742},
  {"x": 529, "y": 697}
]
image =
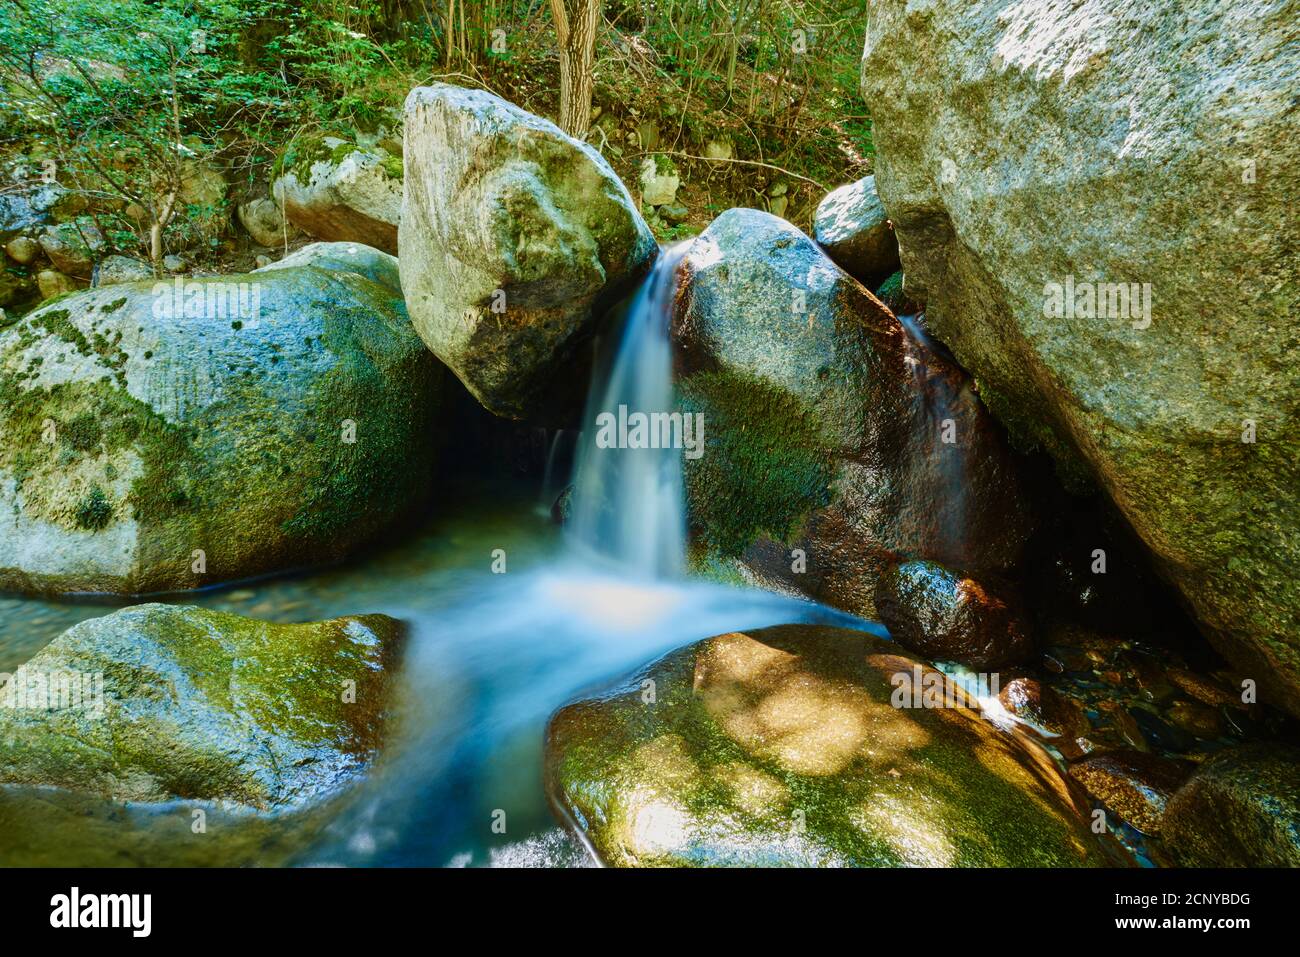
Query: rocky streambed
[{"x": 928, "y": 619}]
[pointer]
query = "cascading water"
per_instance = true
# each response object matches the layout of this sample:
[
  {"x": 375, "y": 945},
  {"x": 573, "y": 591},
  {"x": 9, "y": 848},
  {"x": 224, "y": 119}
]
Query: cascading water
[
  {"x": 629, "y": 503},
  {"x": 505, "y": 625}
]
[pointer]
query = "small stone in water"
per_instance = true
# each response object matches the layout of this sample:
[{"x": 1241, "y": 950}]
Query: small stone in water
[
  {"x": 1133, "y": 785},
  {"x": 1197, "y": 719},
  {"x": 1204, "y": 689}
]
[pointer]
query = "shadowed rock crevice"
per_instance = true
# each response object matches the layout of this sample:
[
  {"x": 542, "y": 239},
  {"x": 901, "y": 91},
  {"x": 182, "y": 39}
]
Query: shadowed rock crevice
[{"x": 1156, "y": 149}]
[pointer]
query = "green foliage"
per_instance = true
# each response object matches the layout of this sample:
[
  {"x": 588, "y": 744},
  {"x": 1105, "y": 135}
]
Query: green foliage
[
  {"x": 125, "y": 97},
  {"x": 94, "y": 511}
]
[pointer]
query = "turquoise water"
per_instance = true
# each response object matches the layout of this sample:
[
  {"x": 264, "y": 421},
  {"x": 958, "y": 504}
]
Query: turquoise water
[{"x": 490, "y": 656}]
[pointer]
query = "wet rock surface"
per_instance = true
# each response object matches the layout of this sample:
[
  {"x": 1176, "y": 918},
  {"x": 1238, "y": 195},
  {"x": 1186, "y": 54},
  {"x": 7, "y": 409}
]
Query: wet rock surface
[
  {"x": 948, "y": 617},
  {"x": 782, "y": 747},
  {"x": 1032, "y": 701},
  {"x": 827, "y": 455},
  {"x": 1134, "y": 785},
  {"x": 177, "y": 702}
]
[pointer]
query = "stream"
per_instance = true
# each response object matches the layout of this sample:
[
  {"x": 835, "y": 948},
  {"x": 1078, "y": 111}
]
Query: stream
[{"x": 509, "y": 618}]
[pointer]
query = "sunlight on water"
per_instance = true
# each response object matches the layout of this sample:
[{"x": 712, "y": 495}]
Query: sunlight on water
[{"x": 481, "y": 679}]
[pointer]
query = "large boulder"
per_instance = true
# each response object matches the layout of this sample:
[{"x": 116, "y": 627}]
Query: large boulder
[
  {"x": 158, "y": 702},
  {"x": 514, "y": 238},
  {"x": 167, "y": 435},
  {"x": 785, "y": 746},
  {"x": 829, "y": 428},
  {"x": 264, "y": 221},
  {"x": 853, "y": 228},
  {"x": 340, "y": 192},
  {"x": 1240, "y": 809},
  {"x": 1025, "y": 153}
]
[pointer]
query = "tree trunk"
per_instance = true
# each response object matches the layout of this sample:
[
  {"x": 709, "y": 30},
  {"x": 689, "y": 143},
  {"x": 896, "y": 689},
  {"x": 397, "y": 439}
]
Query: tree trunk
[{"x": 575, "y": 29}]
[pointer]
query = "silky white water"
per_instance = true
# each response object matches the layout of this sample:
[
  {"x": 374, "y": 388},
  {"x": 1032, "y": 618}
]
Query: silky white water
[
  {"x": 485, "y": 674},
  {"x": 629, "y": 505},
  {"x": 508, "y": 620}
]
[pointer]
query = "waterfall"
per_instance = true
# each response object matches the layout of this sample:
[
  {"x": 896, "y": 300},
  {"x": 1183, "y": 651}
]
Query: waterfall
[{"x": 629, "y": 501}]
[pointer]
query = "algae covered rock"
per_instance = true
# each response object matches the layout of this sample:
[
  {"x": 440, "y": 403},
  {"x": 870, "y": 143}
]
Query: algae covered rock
[
  {"x": 1241, "y": 808},
  {"x": 837, "y": 442},
  {"x": 1099, "y": 211},
  {"x": 159, "y": 702},
  {"x": 514, "y": 238},
  {"x": 171, "y": 435},
  {"x": 783, "y": 746},
  {"x": 340, "y": 192},
  {"x": 853, "y": 228}
]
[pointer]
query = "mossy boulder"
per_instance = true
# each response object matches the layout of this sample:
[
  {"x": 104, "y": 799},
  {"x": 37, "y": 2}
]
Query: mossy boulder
[
  {"x": 783, "y": 747},
  {"x": 1241, "y": 808},
  {"x": 1099, "y": 212},
  {"x": 170, "y": 435},
  {"x": 160, "y": 702},
  {"x": 340, "y": 192},
  {"x": 830, "y": 429},
  {"x": 515, "y": 237}
]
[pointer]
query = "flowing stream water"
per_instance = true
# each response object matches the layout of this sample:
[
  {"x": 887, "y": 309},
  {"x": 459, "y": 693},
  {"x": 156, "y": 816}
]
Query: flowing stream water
[{"x": 491, "y": 654}]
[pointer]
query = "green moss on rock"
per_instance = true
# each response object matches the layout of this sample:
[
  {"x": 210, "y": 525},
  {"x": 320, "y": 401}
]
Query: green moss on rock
[
  {"x": 781, "y": 747},
  {"x": 182, "y": 702},
  {"x": 765, "y": 465},
  {"x": 232, "y": 442},
  {"x": 94, "y": 511}
]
